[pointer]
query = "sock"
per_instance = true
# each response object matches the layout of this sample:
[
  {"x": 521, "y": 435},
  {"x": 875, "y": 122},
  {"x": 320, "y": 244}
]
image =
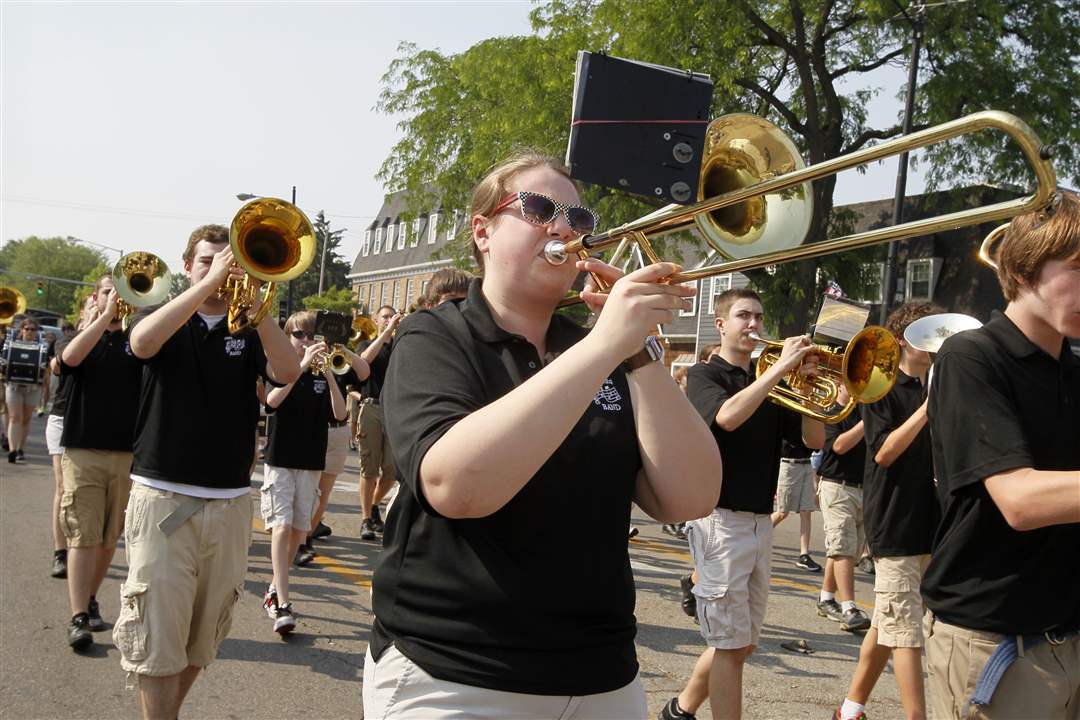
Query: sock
[
  {"x": 826, "y": 596},
  {"x": 850, "y": 710},
  {"x": 847, "y": 605}
]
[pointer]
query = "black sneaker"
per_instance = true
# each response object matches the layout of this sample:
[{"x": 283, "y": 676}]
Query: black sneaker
[
  {"x": 96, "y": 624},
  {"x": 689, "y": 600},
  {"x": 680, "y": 531},
  {"x": 672, "y": 711},
  {"x": 377, "y": 521},
  {"x": 855, "y": 620},
  {"x": 4, "y": 444},
  {"x": 21, "y": 455},
  {"x": 12, "y": 455},
  {"x": 807, "y": 563},
  {"x": 78, "y": 632},
  {"x": 633, "y": 533},
  {"x": 669, "y": 529},
  {"x": 285, "y": 622},
  {"x": 59, "y": 564},
  {"x": 866, "y": 565},
  {"x": 304, "y": 555},
  {"x": 367, "y": 529},
  {"x": 321, "y": 530},
  {"x": 830, "y": 609}
]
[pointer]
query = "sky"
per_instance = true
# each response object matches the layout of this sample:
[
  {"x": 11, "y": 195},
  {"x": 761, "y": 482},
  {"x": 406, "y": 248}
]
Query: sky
[{"x": 129, "y": 124}]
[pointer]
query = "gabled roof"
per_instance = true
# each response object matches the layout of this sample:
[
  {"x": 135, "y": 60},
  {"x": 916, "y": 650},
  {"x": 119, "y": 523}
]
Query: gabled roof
[{"x": 393, "y": 211}]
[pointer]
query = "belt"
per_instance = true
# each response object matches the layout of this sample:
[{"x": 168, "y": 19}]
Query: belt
[
  {"x": 839, "y": 481},
  {"x": 1004, "y": 655},
  {"x": 797, "y": 461},
  {"x": 189, "y": 505},
  {"x": 338, "y": 423},
  {"x": 369, "y": 401}
]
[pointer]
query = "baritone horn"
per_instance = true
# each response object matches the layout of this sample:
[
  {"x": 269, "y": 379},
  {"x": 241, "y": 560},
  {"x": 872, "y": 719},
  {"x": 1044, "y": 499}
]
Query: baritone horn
[
  {"x": 272, "y": 241},
  {"x": 363, "y": 328},
  {"x": 760, "y": 212},
  {"x": 866, "y": 367},
  {"x": 12, "y": 303},
  {"x": 141, "y": 279}
]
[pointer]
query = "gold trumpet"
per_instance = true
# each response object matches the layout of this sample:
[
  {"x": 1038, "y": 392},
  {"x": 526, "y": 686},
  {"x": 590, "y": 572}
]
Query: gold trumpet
[
  {"x": 866, "y": 367},
  {"x": 273, "y": 241},
  {"x": 336, "y": 360},
  {"x": 12, "y": 303},
  {"x": 141, "y": 279},
  {"x": 363, "y": 328}
]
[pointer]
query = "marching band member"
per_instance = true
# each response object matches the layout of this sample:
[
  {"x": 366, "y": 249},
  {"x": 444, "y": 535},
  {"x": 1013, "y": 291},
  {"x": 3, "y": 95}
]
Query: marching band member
[
  {"x": 504, "y": 415},
  {"x": 1005, "y": 418},
  {"x": 21, "y": 397}
]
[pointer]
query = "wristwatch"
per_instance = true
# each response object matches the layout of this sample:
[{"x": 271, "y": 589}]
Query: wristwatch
[{"x": 652, "y": 352}]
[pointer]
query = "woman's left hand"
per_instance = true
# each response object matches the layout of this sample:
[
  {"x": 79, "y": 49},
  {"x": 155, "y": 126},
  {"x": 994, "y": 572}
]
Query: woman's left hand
[{"x": 590, "y": 294}]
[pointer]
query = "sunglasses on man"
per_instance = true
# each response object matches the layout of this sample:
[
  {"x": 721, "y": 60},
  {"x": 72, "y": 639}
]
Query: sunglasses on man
[{"x": 540, "y": 210}]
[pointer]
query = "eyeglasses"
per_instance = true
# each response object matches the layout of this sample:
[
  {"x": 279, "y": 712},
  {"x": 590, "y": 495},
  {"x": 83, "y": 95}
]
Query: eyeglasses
[
  {"x": 301, "y": 334},
  {"x": 540, "y": 210}
]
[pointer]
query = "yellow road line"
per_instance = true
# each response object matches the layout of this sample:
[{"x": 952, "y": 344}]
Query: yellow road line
[{"x": 335, "y": 566}]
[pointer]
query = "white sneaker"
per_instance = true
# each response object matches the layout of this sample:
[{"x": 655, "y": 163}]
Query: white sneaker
[
  {"x": 270, "y": 602},
  {"x": 285, "y": 621}
]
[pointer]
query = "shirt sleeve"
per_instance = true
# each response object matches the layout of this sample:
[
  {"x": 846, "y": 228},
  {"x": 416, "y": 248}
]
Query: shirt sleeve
[
  {"x": 967, "y": 393},
  {"x": 705, "y": 392},
  {"x": 429, "y": 387}
]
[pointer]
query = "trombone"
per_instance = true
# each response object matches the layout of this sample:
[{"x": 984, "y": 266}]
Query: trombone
[
  {"x": 141, "y": 279},
  {"x": 273, "y": 241},
  {"x": 12, "y": 303}
]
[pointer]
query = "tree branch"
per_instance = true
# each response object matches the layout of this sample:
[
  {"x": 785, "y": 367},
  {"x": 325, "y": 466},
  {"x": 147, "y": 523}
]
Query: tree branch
[
  {"x": 775, "y": 102},
  {"x": 887, "y": 133},
  {"x": 774, "y": 36},
  {"x": 867, "y": 67}
]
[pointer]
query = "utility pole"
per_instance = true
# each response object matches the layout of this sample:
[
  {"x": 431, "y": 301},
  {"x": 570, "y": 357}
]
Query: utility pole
[
  {"x": 289, "y": 293},
  {"x": 888, "y": 289}
]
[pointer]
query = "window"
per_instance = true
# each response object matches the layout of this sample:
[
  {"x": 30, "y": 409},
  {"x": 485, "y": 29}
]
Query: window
[
  {"x": 433, "y": 224},
  {"x": 384, "y": 294},
  {"x": 875, "y": 273},
  {"x": 390, "y": 236},
  {"x": 415, "y": 232},
  {"x": 397, "y": 296},
  {"x": 692, "y": 310},
  {"x": 452, "y": 230},
  {"x": 402, "y": 231},
  {"x": 378, "y": 240},
  {"x": 720, "y": 283},
  {"x": 367, "y": 243},
  {"x": 361, "y": 295},
  {"x": 921, "y": 274},
  {"x": 424, "y": 287}
]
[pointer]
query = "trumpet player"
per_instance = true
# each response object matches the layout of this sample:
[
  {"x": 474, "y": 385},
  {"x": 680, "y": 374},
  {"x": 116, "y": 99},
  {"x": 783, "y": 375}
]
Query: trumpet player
[
  {"x": 299, "y": 414},
  {"x": 731, "y": 548},
  {"x": 194, "y": 443}
]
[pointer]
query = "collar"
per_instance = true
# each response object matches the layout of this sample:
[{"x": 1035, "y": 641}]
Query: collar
[
  {"x": 561, "y": 333},
  {"x": 719, "y": 363},
  {"x": 902, "y": 378},
  {"x": 1016, "y": 343}
]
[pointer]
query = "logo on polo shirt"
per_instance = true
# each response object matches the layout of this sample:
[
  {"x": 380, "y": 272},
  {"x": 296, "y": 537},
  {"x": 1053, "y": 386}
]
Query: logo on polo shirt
[
  {"x": 127, "y": 349},
  {"x": 234, "y": 346},
  {"x": 608, "y": 397},
  {"x": 319, "y": 386}
]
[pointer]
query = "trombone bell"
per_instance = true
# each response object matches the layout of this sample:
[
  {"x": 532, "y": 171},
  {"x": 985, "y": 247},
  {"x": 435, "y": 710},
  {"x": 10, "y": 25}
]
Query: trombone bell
[
  {"x": 930, "y": 332},
  {"x": 12, "y": 303},
  {"x": 141, "y": 279}
]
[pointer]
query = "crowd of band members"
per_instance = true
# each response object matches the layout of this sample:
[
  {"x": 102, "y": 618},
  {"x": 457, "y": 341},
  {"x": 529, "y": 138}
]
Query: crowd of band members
[{"x": 968, "y": 498}]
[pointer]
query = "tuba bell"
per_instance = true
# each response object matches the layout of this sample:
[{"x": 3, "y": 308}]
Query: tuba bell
[
  {"x": 12, "y": 303},
  {"x": 141, "y": 279},
  {"x": 273, "y": 241},
  {"x": 930, "y": 332}
]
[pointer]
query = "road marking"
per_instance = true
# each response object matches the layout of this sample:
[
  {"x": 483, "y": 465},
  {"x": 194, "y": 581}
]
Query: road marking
[{"x": 335, "y": 566}]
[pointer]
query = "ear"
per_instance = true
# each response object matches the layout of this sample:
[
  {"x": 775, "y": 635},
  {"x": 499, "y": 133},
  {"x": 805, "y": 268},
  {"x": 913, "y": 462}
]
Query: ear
[
  {"x": 719, "y": 323},
  {"x": 480, "y": 232}
]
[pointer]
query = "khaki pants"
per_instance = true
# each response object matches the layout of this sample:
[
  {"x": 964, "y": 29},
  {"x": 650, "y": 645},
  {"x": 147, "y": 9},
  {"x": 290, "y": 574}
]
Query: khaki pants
[
  {"x": 1043, "y": 683},
  {"x": 96, "y": 486}
]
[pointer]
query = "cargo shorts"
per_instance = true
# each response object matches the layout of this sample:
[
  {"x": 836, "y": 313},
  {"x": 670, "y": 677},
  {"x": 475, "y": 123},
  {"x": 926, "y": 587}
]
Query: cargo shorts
[
  {"x": 842, "y": 512},
  {"x": 376, "y": 458},
  {"x": 96, "y": 486},
  {"x": 795, "y": 486},
  {"x": 898, "y": 606},
  {"x": 289, "y": 497}
]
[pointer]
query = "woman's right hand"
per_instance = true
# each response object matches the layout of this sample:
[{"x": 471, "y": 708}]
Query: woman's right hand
[{"x": 637, "y": 303}]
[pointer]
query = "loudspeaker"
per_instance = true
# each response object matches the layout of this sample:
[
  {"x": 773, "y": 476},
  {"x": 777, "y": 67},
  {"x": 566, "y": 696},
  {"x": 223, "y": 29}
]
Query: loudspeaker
[{"x": 638, "y": 127}]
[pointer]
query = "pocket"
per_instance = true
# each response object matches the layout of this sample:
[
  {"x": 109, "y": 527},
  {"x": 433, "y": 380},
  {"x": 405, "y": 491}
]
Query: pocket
[
  {"x": 225, "y": 621},
  {"x": 135, "y": 516},
  {"x": 130, "y": 633},
  {"x": 714, "y": 613}
]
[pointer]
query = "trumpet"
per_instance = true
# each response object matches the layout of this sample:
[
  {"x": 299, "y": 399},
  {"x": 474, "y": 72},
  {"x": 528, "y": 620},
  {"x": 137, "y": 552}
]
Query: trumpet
[
  {"x": 12, "y": 303},
  {"x": 273, "y": 241},
  {"x": 336, "y": 360},
  {"x": 141, "y": 279},
  {"x": 867, "y": 367}
]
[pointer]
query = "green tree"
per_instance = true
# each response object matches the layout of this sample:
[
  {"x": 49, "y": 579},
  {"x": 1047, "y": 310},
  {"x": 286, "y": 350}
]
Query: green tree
[
  {"x": 337, "y": 267},
  {"x": 56, "y": 257},
  {"x": 334, "y": 299},
  {"x": 178, "y": 283},
  {"x": 802, "y": 63}
]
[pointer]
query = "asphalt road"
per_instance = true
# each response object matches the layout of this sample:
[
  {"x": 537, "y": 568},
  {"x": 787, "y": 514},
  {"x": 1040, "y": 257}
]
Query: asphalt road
[{"x": 317, "y": 672}]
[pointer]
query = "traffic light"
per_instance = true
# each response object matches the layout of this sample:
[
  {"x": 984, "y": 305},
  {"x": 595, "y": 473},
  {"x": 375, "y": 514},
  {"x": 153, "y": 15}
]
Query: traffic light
[{"x": 40, "y": 288}]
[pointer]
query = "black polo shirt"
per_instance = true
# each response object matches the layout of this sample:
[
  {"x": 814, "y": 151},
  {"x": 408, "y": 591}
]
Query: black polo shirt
[
  {"x": 794, "y": 449},
  {"x": 297, "y": 433},
  {"x": 199, "y": 411},
  {"x": 373, "y": 386},
  {"x": 61, "y": 383},
  {"x": 998, "y": 402},
  {"x": 846, "y": 467},
  {"x": 751, "y": 452},
  {"x": 104, "y": 396},
  {"x": 900, "y": 506},
  {"x": 499, "y": 602}
]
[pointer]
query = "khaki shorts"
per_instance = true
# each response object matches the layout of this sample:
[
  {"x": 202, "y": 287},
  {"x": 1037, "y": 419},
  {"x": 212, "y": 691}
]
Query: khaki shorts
[
  {"x": 732, "y": 552},
  {"x": 176, "y": 605},
  {"x": 1044, "y": 682},
  {"x": 337, "y": 449},
  {"x": 898, "y": 607},
  {"x": 96, "y": 486},
  {"x": 842, "y": 511},
  {"x": 54, "y": 432},
  {"x": 396, "y": 687},
  {"x": 376, "y": 457},
  {"x": 17, "y": 394},
  {"x": 795, "y": 486},
  {"x": 289, "y": 497}
]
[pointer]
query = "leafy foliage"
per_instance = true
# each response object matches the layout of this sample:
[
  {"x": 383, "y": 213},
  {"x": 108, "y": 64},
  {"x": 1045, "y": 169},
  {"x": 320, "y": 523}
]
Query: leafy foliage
[
  {"x": 56, "y": 257},
  {"x": 337, "y": 267},
  {"x": 335, "y": 299}
]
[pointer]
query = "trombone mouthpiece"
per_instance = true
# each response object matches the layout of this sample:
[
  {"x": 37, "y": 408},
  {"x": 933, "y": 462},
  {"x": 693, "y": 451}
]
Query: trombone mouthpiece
[{"x": 555, "y": 252}]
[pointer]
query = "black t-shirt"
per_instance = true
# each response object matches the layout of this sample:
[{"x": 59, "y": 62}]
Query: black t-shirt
[
  {"x": 794, "y": 449},
  {"x": 346, "y": 381},
  {"x": 751, "y": 452},
  {"x": 104, "y": 396},
  {"x": 199, "y": 409},
  {"x": 373, "y": 386},
  {"x": 848, "y": 466},
  {"x": 61, "y": 383},
  {"x": 900, "y": 505},
  {"x": 497, "y": 602},
  {"x": 998, "y": 403},
  {"x": 297, "y": 434}
]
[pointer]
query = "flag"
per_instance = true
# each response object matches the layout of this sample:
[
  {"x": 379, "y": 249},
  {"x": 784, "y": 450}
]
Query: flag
[{"x": 834, "y": 290}]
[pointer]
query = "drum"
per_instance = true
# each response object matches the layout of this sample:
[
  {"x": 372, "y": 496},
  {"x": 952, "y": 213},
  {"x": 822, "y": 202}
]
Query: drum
[{"x": 24, "y": 362}]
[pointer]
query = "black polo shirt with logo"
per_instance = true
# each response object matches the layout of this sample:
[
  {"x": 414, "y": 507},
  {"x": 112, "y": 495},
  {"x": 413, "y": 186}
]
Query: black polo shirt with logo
[
  {"x": 504, "y": 602},
  {"x": 751, "y": 452},
  {"x": 900, "y": 505},
  {"x": 297, "y": 433},
  {"x": 103, "y": 398},
  {"x": 998, "y": 403},
  {"x": 848, "y": 467},
  {"x": 373, "y": 386},
  {"x": 199, "y": 410}
]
